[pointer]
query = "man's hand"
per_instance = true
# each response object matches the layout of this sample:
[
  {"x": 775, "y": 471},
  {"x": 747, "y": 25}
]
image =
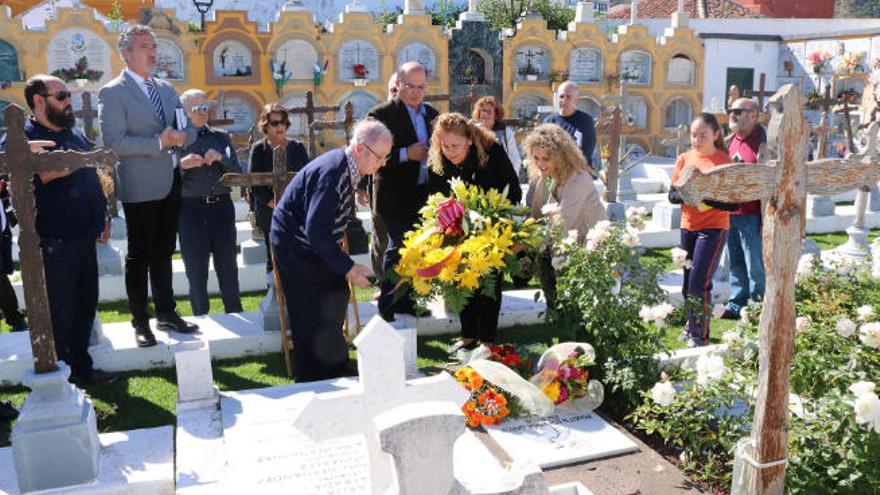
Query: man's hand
[
  {"x": 171, "y": 137},
  {"x": 417, "y": 151},
  {"x": 40, "y": 146},
  {"x": 192, "y": 160},
  {"x": 362, "y": 197},
  {"x": 212, "y": 156},
  {"x": 105, "y": 235},
  {"x": 357, "y": 276}
]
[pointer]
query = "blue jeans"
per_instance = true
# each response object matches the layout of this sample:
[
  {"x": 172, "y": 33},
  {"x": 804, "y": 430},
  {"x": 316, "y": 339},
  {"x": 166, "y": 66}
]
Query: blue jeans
[
  {"x": 746, "y": 249},
  {"x": 208, "y": 228}
]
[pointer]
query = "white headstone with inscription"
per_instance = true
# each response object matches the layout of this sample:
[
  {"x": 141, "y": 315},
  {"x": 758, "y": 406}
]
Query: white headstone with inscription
[
  {"x": 300, "y": 57},
  {"x": 358, "y": 53},
  {"x": 560, "y": 439},
  {"x": 169, "y": 60},
  {"x": 421, "y": 53},
  {"x": 232, "y": 59},
  {"x": 77, "y": 54},
  {"x": 585, "y": 65}
]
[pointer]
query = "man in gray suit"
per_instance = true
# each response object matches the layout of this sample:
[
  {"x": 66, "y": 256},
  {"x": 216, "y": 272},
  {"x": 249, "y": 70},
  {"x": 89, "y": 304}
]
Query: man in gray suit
[{"x": 138, "y": 114}]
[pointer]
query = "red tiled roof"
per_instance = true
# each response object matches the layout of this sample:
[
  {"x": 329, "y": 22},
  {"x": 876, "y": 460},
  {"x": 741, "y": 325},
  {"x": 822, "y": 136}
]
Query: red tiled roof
[{"x": 653, "y": 9}]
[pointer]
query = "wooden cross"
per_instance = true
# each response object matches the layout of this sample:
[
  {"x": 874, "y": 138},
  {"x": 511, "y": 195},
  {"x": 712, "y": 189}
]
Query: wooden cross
[
  {"x": 782, "y": 184},
  {"x": 826, "y": 102},
  {"x": 760, "y": 94},
  {"x": 609, "y": 122},
  {"x": 278, "y": 179},
  {"x": 824, "y": 126},
  {"x": 21, "y": 165},
  {"x": 469, "y": 98},
  {"x": 309, "y": 111}
]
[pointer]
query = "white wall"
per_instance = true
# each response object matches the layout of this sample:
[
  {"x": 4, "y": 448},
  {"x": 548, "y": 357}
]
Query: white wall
[{"x": 723, "y": 53}]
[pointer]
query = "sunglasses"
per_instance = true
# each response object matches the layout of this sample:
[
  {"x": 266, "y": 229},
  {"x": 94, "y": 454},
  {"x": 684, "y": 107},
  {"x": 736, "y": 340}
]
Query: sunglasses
[
  {"x": 200, "y": 108},
  {"x": 740, "y": 111},
  {"x": 276, "y": 123},
  {"x": 60, "y": 95}
]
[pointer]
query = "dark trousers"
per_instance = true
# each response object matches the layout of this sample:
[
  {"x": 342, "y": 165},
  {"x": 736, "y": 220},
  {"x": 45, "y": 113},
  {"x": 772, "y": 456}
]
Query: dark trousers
[
  {"x": 704, "y": 248},
  {"x": 207, "y": 228},
  {"x": 152, "y": 238},
  {"x": 547, "y": 276},
  {"x": 317, "y": 299},
  {"x": 378, "y": 243},
  {"x": 268, "y": 245},
  {"x": 72, "y": 286},
  {"x": 479, "y": 317},
  {"x": 9, "y": 302},
  {"x": 396, "y": 229}
]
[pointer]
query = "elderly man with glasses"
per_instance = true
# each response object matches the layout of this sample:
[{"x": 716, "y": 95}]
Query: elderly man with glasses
[
  {"x": 744, "y": 244},
  {"x": 207, "y": 215},
  {"x": 400, "y": 189},
  {"x": 307, "y": 228},
  {"x": 71, "y": 217}
]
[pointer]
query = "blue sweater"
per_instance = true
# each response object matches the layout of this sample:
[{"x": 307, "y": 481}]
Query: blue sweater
[
  {"x": 578, "y": 122},
  {"x": 312, "y": 214}
]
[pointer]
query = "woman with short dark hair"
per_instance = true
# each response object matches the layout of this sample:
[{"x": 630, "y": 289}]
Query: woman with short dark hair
[
  {"x": 490, "y": 114},
  {"x": 274, "y": 122}
]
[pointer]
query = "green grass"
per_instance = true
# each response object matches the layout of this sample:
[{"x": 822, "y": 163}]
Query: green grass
[{"x": 835, "y": 239}]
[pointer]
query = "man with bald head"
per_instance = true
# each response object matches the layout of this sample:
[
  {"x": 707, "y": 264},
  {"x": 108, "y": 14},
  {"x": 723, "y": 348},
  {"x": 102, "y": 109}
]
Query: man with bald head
[
  {"x": 577, "y": 123},
  {"x": 744, "y": 244},
  {"x": 400, "y": 188}
]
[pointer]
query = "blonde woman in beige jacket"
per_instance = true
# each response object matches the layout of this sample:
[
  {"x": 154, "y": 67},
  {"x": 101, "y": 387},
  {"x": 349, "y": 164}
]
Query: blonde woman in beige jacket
[{"x": 560, "y": 184}]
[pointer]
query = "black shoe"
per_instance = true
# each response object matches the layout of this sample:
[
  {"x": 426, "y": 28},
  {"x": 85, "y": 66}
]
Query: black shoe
[
  {"x": 174, "y": 323},
  {"x": 386, "y": 315},
  {"x": 412, "y": 311},
  {"x": 729, "y": 315},
  {"x": 143, "y": 335},
  {"x": 21, "y": 326},
  {"x": 93, "y": 377},
  {"x": 7, "y": 411}
]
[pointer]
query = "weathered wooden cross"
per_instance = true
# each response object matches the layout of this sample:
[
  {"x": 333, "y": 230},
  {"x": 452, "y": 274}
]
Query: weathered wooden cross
[
  {"x": 782, "y": 184},
  {"x": 21, "y": 164},
  {"x": 824, "y": 128},
  {"x": 826, "y": 102},
  {"x": 469, "y": 98},
  {"x": 610, "y": 123},
  {"x": 681, "y": 140},
  {"x": 761, "y": 93},
  {"x": 88, "y": 115},
  {"x": 309, "y": 111}
]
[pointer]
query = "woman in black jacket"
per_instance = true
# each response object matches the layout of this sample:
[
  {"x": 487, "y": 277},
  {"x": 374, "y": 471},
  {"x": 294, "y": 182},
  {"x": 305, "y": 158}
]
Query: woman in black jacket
[
  {"x": 274, "y": 123},
  {"x": 462, "y": 149}
]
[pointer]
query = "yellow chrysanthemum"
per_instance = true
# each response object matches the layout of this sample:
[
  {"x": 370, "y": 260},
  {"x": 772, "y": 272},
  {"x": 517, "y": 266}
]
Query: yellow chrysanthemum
[{"x": 552, "y": 391}]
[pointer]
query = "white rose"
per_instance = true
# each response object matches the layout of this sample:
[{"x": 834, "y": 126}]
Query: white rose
[
  {"x": 869, "y": 334},
  {"x": 550, "y": 209},
  {"x": 645, "y": 313},
  {"x": 631, "y": 238},
  {"x": 744, "y": 314},
  {"x": 803, "y": 323},
  {"x": 679, "y": 256},
  {"x": 861, "y": 388},
  {"x": 571, "y": 238},
  {"x": 663, "y": 393},
  {"x": 864, "y": 313},
  {"x": 709, "y": 367},
  {"x": 846, "y": 327},
  {"x": 591, "y": 245},
  {"x": 688, "y": 264},
  {"x": 666, "y": 309},
  {"x": 718, "y": 310},
  {"x": 867, "y": 408},
  {"x": 806, "y": 265},
  {"x": 733, "y": 339}
]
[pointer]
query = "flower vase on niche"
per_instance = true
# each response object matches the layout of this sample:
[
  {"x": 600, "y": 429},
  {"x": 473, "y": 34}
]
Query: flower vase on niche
[
  {"x": 529, "y": 72},
  {"x": 360, "y": 75}
]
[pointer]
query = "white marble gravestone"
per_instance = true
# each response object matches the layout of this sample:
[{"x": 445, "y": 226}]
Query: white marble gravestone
[
  {"x": 356, "y": 52},
  {"x": 585, "y": 65},
  {"x": 560, "y": 439},
  {"x": 382, "y": 386},
  {"x": 232, "y": 59},
  {"x": 299, "y": 56},
  {"x": 421, "y": 53},
  {"x": 169, "y": 60},
  {"x": 70, "y": 46}
]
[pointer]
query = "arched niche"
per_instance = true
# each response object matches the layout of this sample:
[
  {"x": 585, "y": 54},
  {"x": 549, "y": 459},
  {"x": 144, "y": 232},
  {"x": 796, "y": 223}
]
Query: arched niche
[
  {"x": 9, "y": 70},
  {"x": 358, "y": 52},
  {"x": 476, "y": 66},
  {"x": 585, "y": 65},
  {"x": 532, "y": 63},
  {"x": 169, "y": 60},
  {"x": 299, "y": 126},
  {"x": 232, "y": 58},
  {"x": 299, "y": 57},
  {"x": 240, "y": 108},
  {"x": 680, "y": 70},
  {"x": 79, "y": 53},
  {"x": 421, "y": 53},
  {"x": 525, "y": 107},
  {"x": 635, "y": 111},
  {"x": 635, "y": 67},
  {"x": 678, "y": 111}
]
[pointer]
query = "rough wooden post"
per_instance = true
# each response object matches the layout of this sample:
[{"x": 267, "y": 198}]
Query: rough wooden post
[{"x": 612, "y": 171}]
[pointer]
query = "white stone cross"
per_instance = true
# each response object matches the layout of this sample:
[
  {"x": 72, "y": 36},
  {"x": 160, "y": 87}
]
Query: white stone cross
[{"x": 383, "y": 386}]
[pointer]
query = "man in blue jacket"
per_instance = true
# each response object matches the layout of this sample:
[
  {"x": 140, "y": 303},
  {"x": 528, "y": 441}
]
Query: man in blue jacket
[{"x": 307, "y": 228}]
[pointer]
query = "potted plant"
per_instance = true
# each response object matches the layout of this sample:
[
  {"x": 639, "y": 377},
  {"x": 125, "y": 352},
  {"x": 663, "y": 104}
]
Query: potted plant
[
  {"x": 529, "y": 72},
  {"x": 360, "y": 74},
  {"x": 80, "y": 74},
  {"x": 818, "y": 60},
  {"x": 789, "y": 66}
]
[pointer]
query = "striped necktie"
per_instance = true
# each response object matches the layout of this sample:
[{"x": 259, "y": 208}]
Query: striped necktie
[{"x": 154, "y": 99}]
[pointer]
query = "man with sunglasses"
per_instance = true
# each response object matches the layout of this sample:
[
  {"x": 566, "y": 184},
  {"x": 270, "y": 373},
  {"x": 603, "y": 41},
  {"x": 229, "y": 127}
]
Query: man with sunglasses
[
  {"x": 139, "y": 115},
  {"x": 745, "y": 246},
  {"x": 400, "y": 189},
  {"x": 71, "y": 217},
  {"x": 207, "y": 215},
  {"x": 307, "y": 228}
]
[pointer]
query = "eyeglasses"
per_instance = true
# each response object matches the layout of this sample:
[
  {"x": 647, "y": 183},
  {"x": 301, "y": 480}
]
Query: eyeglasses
[
  {"x": 381, "y": 159},
  {"x": 740, "y": 111},
  {"x": 413, "y": 86},
  {"x": 276, "y": 123},
  {"x": 203, "y": 107},
  {"x": 60, "y": 95}
]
